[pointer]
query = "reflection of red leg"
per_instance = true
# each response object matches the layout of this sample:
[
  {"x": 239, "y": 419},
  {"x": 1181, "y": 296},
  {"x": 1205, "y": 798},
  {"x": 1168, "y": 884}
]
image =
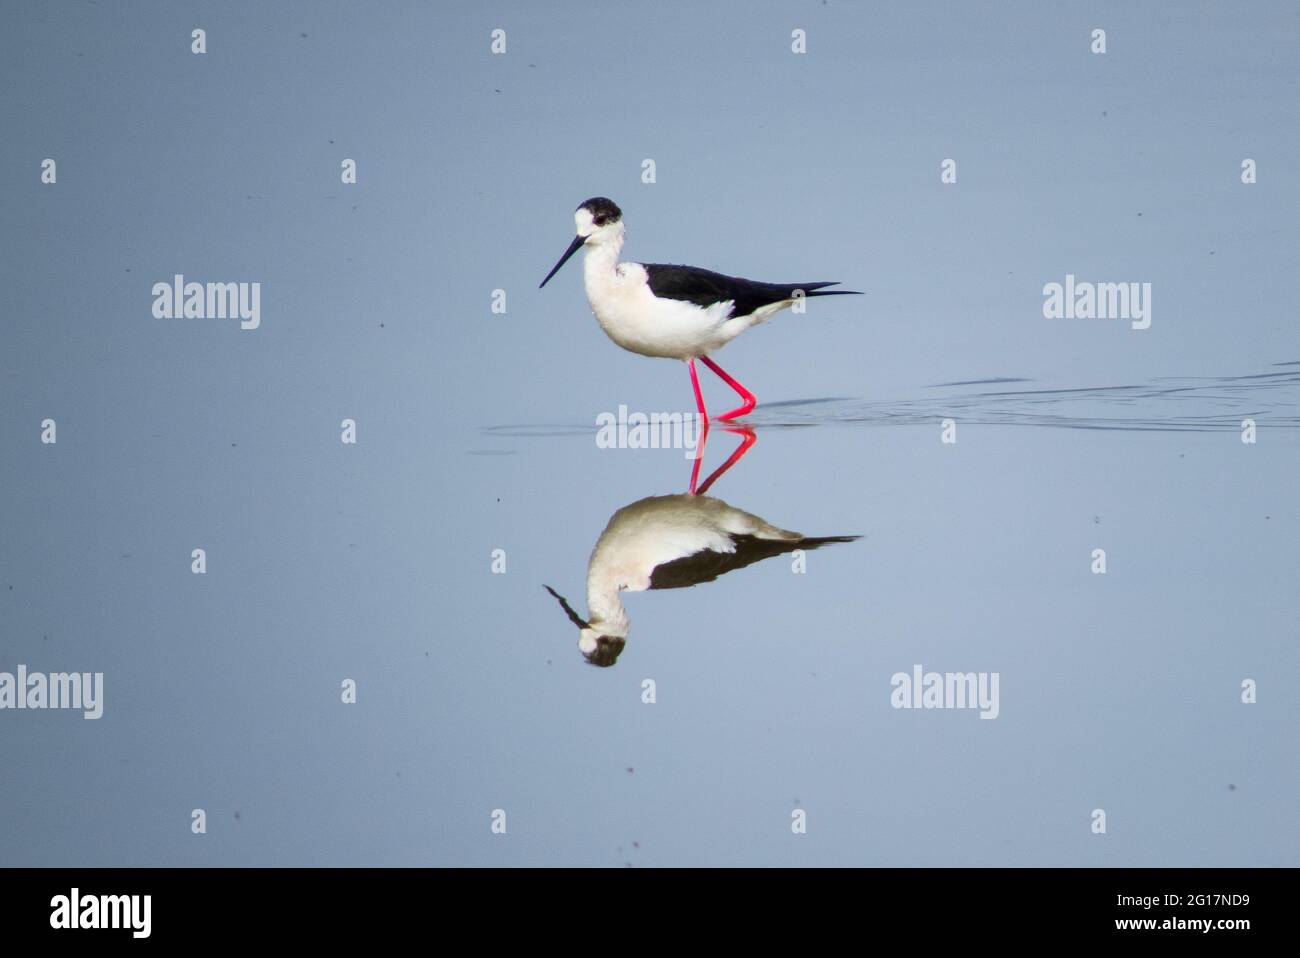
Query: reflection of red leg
[
  {"x": 699, "y": 450},
  {"x": 699, "y": 396},
  {"x": 747, "y": 439},
  {"x": 748, "y": 399}
]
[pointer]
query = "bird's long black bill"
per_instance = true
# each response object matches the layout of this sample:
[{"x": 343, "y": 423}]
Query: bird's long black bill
[
  {"x": 568, "y": 609},
  {"x": 573, "y": 248}
]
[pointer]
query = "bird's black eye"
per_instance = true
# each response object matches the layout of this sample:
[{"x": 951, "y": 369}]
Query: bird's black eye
[
  {"x": 603, "y": 211},
  {"x": 608, "y": 649}
]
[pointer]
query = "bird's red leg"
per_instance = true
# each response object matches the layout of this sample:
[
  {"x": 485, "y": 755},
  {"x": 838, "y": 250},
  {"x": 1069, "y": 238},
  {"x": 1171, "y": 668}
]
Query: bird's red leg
[
  {"x": 695, "y": 384},
  {"x": 749, "y": 400},
  {"x": 704, "y": 418},
  {"x": 747, "y": 439}
]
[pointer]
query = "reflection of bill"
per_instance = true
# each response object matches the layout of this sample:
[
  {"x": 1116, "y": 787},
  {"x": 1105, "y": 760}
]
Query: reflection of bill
[{"x": 669, "y": 542}]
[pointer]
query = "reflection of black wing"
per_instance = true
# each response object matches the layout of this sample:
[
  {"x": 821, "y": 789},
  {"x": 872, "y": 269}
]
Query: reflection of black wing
[
  {"x": 704, "y": 288},
  {"x": 706, "y": 565}
]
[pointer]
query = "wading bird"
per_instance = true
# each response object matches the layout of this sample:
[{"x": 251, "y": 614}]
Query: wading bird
[
  {"x": 674, "y": 312},
  {"x": 669, "y": 542}
]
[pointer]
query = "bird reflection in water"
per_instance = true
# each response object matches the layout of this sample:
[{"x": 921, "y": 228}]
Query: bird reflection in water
[{"x": 671, "y": 542}]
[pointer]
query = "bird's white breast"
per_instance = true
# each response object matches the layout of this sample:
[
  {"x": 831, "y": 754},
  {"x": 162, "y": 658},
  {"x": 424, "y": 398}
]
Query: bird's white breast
[
  {"x": 635, "y": 319},
  {"x": 659, "y": 529}
]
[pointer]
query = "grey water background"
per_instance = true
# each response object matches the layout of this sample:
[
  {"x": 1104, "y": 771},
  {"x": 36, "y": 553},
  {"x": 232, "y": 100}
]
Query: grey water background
[{"x": 476, "y": 433}]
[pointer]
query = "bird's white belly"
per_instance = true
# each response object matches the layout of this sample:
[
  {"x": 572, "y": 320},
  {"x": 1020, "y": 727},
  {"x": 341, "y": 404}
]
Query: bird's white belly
[{"x": 674, "y": 329}]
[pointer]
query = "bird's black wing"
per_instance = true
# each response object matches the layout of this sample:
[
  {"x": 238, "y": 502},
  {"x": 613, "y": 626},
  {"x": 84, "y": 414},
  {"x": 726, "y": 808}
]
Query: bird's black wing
[
  {"x": 706, "y": 565},
  {"x": 704, "y": 288}
]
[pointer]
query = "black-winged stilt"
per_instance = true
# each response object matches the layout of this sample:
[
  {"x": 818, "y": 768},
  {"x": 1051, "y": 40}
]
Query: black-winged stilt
[
  {"x": 669, "y": 542},
  {"x": 675, "y": 312}
]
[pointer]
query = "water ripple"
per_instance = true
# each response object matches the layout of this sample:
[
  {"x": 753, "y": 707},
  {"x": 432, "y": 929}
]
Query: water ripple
[
  {"x": 1164, "y": 404},
  {"x": 1168, "y": 404}
]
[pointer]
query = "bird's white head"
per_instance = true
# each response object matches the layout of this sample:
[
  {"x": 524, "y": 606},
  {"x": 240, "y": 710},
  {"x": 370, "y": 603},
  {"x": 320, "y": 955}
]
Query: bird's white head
[
  {"x": 599, "y": 222},
  {"x": 600, "y": 643},
  {"x": 600, "y": 649}
]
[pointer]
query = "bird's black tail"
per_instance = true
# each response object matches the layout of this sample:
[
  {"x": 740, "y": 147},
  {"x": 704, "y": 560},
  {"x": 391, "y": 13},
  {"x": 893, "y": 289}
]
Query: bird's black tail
[
  {"x": 819, "y": 289},
  {"x": 813, "y": 542}
]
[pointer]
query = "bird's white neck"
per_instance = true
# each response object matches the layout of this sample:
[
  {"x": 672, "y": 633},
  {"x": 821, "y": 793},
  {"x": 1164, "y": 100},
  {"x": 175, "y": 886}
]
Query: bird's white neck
[
  {"x": 608, "y": 574},
  {"x": 601, "y": 259},
  {"x": 605, "y": 608}
]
